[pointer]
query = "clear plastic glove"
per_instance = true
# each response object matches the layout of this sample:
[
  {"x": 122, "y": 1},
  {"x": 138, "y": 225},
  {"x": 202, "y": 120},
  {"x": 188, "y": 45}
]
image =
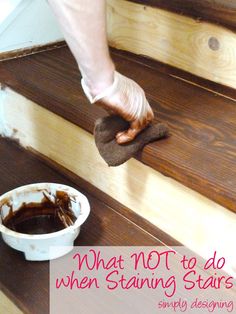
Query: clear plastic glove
[
  {"x": 127, "y": 99},
  {"x": 83, "y": 23}
]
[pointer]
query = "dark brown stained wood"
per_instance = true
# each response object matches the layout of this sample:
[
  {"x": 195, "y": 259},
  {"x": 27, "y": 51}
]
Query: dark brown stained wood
[
  {"x": 27, "y": 283},
  {"x": 202, "y": 148},
  {"x": 179, "y": 74},
  {"x": 221, "y": 12},
  {"x": 19, "y": 53}
]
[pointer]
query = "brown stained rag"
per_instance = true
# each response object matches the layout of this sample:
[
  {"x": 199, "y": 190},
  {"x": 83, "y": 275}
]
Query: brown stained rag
[{"x": 115, "y": 154}]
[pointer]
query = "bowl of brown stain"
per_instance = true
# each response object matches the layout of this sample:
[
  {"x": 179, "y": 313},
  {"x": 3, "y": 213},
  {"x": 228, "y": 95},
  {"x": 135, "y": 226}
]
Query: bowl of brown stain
[{"x": 42, "y": 220}]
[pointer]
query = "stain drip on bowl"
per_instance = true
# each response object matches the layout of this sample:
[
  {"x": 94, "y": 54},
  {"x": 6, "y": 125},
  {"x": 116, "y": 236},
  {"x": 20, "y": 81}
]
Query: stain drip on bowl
[{"x": 52, "y": 214}]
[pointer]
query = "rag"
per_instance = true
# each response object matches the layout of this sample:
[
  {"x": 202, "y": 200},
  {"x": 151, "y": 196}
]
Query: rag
[{"x": 116, "y": 154}]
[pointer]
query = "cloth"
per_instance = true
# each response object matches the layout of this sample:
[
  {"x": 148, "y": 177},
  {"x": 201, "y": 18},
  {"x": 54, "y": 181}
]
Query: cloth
[{"x": 116, "y": 154}]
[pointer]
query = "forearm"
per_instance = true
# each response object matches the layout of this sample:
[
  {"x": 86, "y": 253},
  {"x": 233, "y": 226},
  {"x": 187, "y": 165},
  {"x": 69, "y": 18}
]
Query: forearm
[{"x": 83, "y": 23}]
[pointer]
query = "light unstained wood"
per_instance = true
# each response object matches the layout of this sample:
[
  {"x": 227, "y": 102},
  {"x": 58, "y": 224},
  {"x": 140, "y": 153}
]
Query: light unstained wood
[
  {"x": 201, "y": 48},
  {"x": 7, "y": 306},
  {"x": 184, "y": 214}
]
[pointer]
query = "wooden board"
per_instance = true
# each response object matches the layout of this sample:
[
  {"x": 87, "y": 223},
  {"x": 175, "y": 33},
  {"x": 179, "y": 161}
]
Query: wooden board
[
  {"x": 202, "y": 123},
  {"x": 26, "y": 283},
  {"x": 19, "y": 53},
  {"x": 179, "y": 74},
  {"x": 7, "y": 306},
  {"x": 161, "y": 200},
  {"x": 221, "y": 12},
  {"x": 201, "y": 48}
]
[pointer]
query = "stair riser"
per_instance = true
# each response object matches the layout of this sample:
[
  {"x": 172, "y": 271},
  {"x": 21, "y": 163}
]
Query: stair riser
[{"x": 7, "y": 306}]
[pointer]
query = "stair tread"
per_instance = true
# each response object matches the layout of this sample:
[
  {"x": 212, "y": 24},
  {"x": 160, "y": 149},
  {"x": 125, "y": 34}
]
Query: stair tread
[
  {"x": 216, "y": 11},
  {"x": 99, "y": 229},
  {"x": 201, "y": 150}
]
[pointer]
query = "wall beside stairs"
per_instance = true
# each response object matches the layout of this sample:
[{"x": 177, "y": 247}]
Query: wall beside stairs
[
  {"x": 6, "y": 7},
  {"x": 30, "y": 23}
]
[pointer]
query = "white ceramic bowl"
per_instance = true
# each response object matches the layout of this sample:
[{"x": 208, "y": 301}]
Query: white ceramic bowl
[{"x": 37, "y": 247}]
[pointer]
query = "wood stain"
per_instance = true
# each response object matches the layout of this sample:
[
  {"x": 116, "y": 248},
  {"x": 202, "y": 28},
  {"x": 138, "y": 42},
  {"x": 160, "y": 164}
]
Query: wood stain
[{"x": 40, "y": 218}]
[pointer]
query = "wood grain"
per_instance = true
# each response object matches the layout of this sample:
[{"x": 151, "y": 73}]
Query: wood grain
[
  {"x": 7, "y": 306},
  {"x": 201, "y": 151},
  {"x": 178, "y": 74},
  {"x": 221, "y": 12},
  {"x": 201, "y": 48},
  {"x": 26, "y": 283}
]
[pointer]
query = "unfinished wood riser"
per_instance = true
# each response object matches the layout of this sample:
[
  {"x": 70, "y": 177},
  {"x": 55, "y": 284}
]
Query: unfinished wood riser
[
  {"x": 7, "y": 306},
  {"x": 187, "y": 216}
]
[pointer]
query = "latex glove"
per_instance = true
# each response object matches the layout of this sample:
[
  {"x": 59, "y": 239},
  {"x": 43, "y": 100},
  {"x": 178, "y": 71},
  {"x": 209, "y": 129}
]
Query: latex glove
[{"x": 126, "y": 98}]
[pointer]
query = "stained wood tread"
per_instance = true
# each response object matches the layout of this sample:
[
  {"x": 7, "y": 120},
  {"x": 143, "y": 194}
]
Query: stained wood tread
[
  {"x": 221, "y": 12},
  {"x": 27, "y": 283},
  {"x": 201, "y": 150}
]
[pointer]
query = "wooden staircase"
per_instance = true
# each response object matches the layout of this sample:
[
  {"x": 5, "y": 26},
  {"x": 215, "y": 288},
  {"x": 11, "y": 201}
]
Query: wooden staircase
[
  {"x": 18, "y": 167},
  {"x": 178, "y": 190},
  {"x": 201, "y": 150}
]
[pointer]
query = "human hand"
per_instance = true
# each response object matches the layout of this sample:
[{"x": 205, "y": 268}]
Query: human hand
[{"x": 127, "y": 99}]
